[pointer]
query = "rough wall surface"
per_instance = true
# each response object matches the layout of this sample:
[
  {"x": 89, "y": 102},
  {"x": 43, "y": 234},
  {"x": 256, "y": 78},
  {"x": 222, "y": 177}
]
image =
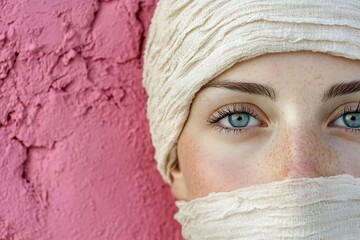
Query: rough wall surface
[{"x": 75, "y": 152}]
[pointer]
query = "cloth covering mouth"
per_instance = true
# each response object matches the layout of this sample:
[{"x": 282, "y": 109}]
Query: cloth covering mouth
[{"x": 308, "y": 208}]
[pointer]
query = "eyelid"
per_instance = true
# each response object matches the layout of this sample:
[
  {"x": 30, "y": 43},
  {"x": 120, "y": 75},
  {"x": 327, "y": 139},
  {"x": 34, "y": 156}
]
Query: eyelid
[
  {"x": 344, "y": 109},
  {"x": 236, "y": 108}
]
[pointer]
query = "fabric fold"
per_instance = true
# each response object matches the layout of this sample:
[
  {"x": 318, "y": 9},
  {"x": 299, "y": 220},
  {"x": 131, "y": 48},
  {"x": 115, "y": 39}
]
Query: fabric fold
[{"x": 308, "y": 208}]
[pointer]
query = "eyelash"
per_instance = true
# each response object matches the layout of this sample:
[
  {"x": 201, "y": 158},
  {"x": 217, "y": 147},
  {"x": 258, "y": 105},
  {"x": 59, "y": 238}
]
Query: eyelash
[
  {"x": 234, "y": 109},
  {"x": 346, "y": 110},
  {"x": 229, "y": 110}
]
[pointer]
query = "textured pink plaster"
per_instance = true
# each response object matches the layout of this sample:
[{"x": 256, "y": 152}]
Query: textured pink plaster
[{"x": 76, "y": 160}]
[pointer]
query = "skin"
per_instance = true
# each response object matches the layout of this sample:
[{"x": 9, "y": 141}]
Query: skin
[{"x": 295, "y": 137}]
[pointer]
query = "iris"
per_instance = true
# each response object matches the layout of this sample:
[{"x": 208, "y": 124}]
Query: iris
[
  {"x": 352, "y": 120},
  {"x": 239, "y": 119}
]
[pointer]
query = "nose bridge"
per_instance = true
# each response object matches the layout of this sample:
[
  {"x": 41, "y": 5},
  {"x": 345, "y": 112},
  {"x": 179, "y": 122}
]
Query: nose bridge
[
  {"x": 304, "y": 148},
  {"x": 298, "y": 152}
]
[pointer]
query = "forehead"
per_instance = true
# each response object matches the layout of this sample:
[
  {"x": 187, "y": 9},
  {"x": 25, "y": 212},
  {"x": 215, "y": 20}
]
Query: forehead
[
  {"x": 295, "y": 67},
  {"x": 298, "y": 76}
]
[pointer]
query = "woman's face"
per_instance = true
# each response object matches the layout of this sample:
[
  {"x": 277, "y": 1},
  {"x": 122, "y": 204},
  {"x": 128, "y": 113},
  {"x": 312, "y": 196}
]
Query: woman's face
[{"x": 274, "y": 117}]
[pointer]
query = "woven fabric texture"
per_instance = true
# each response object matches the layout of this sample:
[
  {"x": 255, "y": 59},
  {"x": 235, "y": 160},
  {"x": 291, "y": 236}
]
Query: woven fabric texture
[{"x": 309, "y": 208}]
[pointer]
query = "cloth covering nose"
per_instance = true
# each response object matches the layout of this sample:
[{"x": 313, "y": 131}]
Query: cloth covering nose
[
  {"x": 190, "y": 42},
  {"x": 308, "y": 208}
]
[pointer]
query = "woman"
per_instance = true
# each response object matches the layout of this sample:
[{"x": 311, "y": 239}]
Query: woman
[{"x": 254, "y": 111}]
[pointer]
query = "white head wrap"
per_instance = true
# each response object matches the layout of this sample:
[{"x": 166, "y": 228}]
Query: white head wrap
[{"x": 190, "y": 42}]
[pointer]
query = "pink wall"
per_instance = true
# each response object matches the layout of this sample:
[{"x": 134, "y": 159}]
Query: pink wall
[{"x": 75, "y": 153}]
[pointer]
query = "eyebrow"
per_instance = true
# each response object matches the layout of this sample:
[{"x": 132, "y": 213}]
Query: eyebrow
[
  {"x": 342, "y": 89},
  {"x": 246, "y": 87},
  {"x": 336, "y": 90}
]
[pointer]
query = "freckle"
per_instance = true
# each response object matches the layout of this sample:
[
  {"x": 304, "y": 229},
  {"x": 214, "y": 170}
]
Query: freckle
[
  {"x": 276, "y": 162},
  {"x": 328, "y": 161},
  {"x": 320, "y": 159},
  {"x": 318, "y": 77},
  {"x": 191, "y": 159}
]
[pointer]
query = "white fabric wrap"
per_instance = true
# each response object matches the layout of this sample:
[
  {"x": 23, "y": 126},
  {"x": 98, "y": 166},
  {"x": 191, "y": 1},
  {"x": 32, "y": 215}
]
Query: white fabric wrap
[
  {"x": 310, "y": 208},
  {"x": 192, "y": 41}
]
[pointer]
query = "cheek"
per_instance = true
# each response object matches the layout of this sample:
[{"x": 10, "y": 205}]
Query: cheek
[
  {"x": 211, "y": 166},
  {"x": 349, "y": 155}
]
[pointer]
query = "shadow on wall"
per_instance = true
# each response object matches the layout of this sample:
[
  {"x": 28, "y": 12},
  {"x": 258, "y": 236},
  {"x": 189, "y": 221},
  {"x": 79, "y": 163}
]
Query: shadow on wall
[{"x": 75, "y": 153}]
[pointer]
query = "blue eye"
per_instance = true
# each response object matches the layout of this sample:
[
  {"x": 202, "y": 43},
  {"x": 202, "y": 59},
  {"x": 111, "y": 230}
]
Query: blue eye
[
  {"x": 239, "y": 120},
  {"x": 351, "y": 120},
  {"x": 235, "y": 118}
]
